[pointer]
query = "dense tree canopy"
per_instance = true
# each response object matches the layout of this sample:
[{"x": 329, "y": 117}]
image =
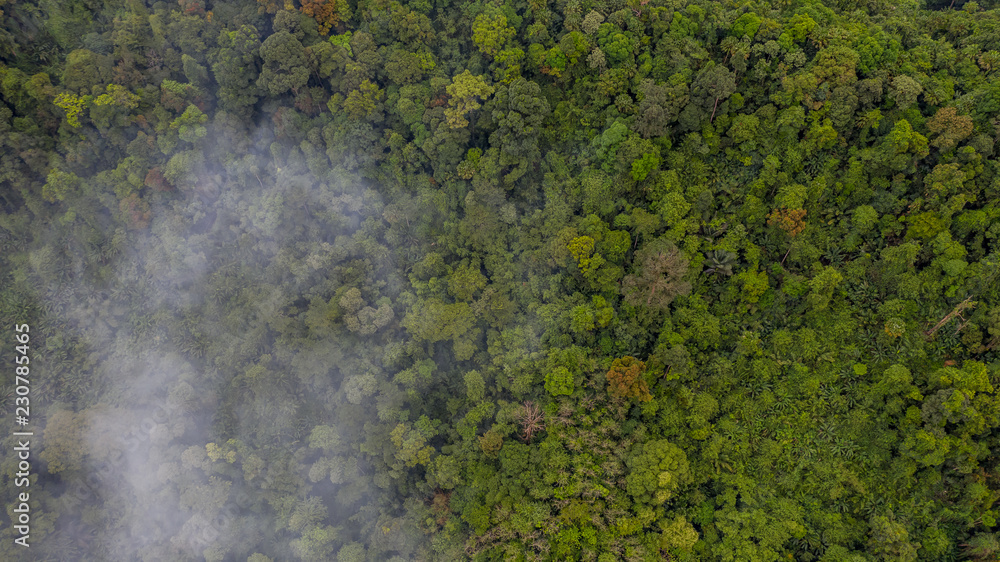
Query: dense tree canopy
[{"x": 598, "y": 280}]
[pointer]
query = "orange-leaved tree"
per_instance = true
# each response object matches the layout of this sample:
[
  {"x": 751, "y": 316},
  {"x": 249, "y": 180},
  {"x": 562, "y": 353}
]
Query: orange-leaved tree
[
  {"x": 625, "y": 379},
  {"x": 327, "y": 13},
  {"x": 791, "y": 221}
]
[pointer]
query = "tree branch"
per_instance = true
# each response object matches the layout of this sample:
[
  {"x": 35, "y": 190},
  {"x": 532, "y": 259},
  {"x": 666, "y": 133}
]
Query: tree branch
[{"x": 967, "y": 303}]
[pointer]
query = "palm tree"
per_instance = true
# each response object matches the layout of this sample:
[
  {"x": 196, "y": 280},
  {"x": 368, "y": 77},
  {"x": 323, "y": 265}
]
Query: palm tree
[{"x": 720, "y": 261}]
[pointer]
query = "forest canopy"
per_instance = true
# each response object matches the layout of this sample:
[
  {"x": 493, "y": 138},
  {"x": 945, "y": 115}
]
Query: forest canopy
[{"x": 370, "y": 280}]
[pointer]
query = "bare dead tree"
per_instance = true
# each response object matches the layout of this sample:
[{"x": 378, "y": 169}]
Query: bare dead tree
[{"x": 532, "y": 420}]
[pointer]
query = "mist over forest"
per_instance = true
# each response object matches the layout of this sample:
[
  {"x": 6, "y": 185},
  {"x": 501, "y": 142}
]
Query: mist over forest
[{"x": 519, "y": 280}]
